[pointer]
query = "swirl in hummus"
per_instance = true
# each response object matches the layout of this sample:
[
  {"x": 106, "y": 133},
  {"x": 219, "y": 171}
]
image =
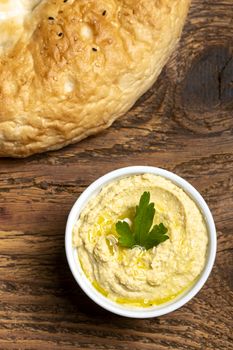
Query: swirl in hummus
[{"x": 137, "y": 276}]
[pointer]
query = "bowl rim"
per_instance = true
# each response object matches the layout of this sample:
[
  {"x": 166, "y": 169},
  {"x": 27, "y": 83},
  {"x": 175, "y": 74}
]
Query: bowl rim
[{"x": 80, "y": 277}]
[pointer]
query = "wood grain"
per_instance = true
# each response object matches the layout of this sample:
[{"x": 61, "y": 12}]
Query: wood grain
[{"x": 184, "y": 124}]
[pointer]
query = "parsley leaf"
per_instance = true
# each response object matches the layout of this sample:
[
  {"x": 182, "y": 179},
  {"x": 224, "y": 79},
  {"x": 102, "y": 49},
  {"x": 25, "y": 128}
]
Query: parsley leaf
[
  {"x": 156, "y": 236},
  {"x": 140, "y": 233},
  {"x": 126, "y": 238},
  {"x": 144, "y": 218}
]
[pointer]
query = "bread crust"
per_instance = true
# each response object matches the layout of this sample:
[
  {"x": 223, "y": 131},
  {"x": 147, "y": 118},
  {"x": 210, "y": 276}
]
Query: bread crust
[{"x": 79, "y": 65}]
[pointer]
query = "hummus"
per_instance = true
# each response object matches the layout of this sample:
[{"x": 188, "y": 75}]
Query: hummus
[{"x": 137, "y": 276}]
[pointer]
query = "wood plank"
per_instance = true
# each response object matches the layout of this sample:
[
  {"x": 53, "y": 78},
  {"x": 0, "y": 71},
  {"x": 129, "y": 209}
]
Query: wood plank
[{"x": 184, "y": 124}]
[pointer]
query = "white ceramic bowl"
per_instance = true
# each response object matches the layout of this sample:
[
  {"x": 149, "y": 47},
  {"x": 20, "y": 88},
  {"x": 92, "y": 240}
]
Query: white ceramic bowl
[{"x": 85, "y": 284}]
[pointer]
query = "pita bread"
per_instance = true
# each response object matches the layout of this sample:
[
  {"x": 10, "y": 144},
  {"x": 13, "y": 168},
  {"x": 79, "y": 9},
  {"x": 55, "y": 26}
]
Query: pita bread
[{"x": 69, "y": 68}]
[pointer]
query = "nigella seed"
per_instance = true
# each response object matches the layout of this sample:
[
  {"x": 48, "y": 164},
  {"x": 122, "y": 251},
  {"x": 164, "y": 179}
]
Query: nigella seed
[
  {"x": 51, "y": 18},
  {"x": 60, "y": 34},
  {"x": 104, "y": 13},
  {"x": 94, "y": 49}
]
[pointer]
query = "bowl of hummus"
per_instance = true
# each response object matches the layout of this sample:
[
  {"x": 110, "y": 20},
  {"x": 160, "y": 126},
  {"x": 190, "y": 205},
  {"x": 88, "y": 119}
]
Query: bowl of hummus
[{"x": 140, "y": 241}]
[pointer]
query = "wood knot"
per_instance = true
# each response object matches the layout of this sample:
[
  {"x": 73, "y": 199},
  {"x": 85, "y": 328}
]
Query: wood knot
[
  {"x": 209, "y": 82},
  {"x": 205, "y": 96}
]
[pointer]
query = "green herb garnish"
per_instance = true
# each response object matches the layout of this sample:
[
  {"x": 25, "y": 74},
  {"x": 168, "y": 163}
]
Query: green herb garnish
[{"x": 140, "y": 234}]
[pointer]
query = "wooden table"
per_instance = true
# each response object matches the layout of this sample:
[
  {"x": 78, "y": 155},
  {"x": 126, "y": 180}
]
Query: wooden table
[{"x": 184, "y": 124}]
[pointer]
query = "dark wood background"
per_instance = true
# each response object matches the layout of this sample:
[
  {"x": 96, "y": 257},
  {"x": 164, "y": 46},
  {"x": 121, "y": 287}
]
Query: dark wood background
[{"x": 184, "y": 124}]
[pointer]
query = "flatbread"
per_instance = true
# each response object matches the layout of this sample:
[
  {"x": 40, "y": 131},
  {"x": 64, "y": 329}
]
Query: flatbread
[{"x": 69, "y": 68}]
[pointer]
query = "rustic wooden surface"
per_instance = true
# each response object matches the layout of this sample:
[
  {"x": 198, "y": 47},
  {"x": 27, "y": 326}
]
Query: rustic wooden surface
[{"x": 184, "y": 124}]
